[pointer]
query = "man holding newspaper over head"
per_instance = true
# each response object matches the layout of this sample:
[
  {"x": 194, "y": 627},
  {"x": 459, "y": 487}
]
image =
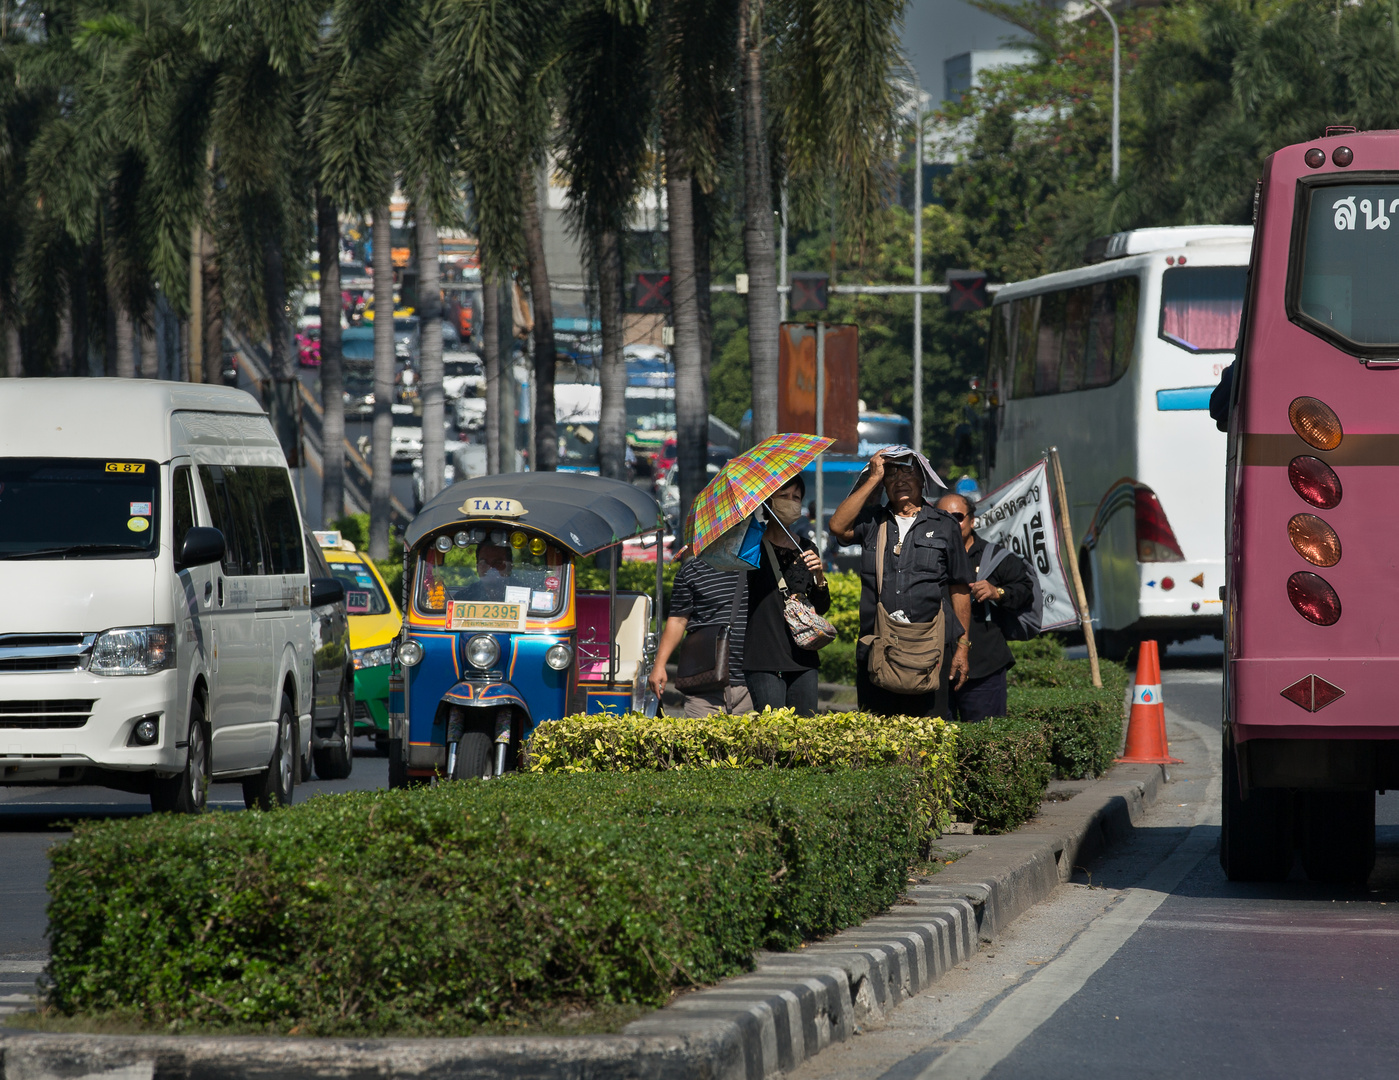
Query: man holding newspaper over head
[{"x": 913, "y": 556}]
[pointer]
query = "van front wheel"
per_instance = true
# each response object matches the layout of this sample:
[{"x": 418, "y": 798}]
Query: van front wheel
[
  {"x": 274, "y": 785},
  {"x": 187, "y": 792}
]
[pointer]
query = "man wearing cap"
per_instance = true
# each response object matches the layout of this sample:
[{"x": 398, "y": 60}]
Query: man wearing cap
[{"x": 924, "y": 559}]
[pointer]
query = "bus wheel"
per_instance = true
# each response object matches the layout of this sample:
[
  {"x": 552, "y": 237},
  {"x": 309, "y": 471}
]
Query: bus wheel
[
  {"x": 473, "y": 756},
  {"x": 1255, "y": 842},
  {"x": 1338, "y": 835}
]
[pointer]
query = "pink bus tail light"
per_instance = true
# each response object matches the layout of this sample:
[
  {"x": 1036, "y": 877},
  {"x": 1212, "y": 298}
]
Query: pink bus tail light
[
  {"x": 1312, "y": 596},
  {"x": 1314, "y": 540},
  {"x": 1316, "y": 422},
  {"x": 1315, "y": 481},
  {"x": 1156, "y": 542}
]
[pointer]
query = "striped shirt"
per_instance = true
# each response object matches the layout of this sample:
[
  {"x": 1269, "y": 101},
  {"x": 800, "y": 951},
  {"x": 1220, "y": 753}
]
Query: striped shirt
[{"x": 705, "y": 597}]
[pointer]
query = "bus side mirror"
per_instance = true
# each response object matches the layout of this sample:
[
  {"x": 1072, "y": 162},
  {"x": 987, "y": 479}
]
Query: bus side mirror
[
  {"x": 326, "y": 590},
  {"x": 201, "y": 547}
]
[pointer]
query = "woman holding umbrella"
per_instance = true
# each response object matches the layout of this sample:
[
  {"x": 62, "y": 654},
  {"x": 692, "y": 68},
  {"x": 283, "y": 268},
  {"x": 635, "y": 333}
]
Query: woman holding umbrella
[{"x": 779, "y": 672}]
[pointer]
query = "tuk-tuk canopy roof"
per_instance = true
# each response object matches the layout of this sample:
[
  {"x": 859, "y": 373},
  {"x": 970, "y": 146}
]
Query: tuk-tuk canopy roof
[{"x": 581, "y": 512}]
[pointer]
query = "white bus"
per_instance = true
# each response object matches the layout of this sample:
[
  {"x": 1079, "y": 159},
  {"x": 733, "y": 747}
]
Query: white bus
[{"x": 1114, "y": 364}]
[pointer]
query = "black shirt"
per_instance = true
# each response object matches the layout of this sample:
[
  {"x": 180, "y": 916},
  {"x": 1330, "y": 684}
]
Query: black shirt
[
  {"x": 915, "y": 580},
  {"x": 704, "y": 596},
  {"x": 769, "y": 644},
  {"x": 990, "y": 653}
]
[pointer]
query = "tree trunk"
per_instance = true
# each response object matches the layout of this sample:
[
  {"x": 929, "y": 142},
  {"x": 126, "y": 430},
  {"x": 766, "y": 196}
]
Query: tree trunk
[
  {"x": 63, "y": 348},
  {"x": 332, "y": 366},
  {"x": 546, "y": 433},
  {"x": 14, "y": 361},
  {"x": 211, "y": 344},
  {"x": 382, "y": 451},
  {"x": 430, "y": 338},
  {"x": 704, "y": 236},
  {"x": 612, "y": 366},
  {"x": 509, "y": 388},
  {"x": 284, "y": 402},
  {"x": 192, "y": 339},
  {"x": 126, "y": 353},
  {"x": 760, "y": 259},
  {"x": 490, "y": 345},
  {"x": 691, "y": 413},
  {"x": 150, "y": 355}
]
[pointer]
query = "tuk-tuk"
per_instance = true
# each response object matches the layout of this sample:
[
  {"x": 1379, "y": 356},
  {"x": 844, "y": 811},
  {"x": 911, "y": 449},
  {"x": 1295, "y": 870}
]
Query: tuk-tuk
[{"x": 497, "y": 637}]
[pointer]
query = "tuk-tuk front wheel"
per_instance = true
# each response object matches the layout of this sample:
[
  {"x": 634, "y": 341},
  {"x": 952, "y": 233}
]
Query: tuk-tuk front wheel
[{"x": 474, "y": 757}]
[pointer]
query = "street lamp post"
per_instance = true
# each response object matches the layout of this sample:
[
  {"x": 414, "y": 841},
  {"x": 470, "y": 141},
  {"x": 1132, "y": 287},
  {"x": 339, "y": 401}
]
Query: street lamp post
[
  {"x": 917, "y": 265},
  {"x": 1116, "y": 88}
]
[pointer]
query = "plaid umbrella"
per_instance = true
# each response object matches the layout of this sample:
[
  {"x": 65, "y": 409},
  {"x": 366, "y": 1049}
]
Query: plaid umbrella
[{"x": 745, "y": 481}]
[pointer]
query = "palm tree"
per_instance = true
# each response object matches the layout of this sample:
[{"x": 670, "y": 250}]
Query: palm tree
[
  {"x": 332, "y": 363},
  {"x": 605, "y": 115},
  {"x": 546, "y": 444},
  {"x": 381, "y": 434},
  {"x": 764, "y": 310}
]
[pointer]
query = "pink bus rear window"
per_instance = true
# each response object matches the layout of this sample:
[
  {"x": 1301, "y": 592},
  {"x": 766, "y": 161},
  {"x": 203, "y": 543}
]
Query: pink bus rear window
[
  {"x": 1346, "y": 283},
  {"x": 1201, "y": 307}
]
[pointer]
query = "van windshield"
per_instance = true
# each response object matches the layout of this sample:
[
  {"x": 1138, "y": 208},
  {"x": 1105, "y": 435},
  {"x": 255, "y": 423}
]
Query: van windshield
[
  {"x": 79, "y": 508},
  {"x": 1345, "y": 284}
]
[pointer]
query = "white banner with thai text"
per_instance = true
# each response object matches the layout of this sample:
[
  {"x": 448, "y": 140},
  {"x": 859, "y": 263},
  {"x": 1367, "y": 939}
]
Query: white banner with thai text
[{"x": 1020, "y": 515}]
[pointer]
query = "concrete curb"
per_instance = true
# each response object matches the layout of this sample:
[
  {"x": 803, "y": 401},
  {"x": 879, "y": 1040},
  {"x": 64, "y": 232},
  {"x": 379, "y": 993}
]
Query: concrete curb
[{"x": 746, "y": 1028}]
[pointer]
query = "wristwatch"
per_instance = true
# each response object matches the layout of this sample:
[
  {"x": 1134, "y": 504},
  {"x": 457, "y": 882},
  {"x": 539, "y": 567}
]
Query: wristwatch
[
  {"x": 1000, "y": 593},
  {"x": 966, "y": 640}
]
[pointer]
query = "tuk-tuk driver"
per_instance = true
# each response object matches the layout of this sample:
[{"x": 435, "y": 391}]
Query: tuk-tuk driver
[{"x": 494, "y": 565}]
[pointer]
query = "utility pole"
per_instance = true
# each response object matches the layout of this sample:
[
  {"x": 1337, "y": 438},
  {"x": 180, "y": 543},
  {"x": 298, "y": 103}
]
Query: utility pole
[
  {"x": 818, "y": 530},
  {"x": 917, "y": 265},
  {"x": 782, "y": 268},
  {"x": 1116, "y": 90}
]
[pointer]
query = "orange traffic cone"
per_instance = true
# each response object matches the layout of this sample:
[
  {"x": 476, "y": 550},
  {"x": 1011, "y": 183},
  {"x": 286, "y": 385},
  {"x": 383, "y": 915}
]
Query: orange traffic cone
[{"x": 1146, "y": 726}]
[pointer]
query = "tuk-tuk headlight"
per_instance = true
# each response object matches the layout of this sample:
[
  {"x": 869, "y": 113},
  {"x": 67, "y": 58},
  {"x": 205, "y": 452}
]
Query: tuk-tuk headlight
[
  {"x": 443, "y": 543},
  {"x": 482, "y": 651},
  {"x": 410, "y": 653},
  {"x": 462, "y": 539},
  {"x": 559, "y": 657}
]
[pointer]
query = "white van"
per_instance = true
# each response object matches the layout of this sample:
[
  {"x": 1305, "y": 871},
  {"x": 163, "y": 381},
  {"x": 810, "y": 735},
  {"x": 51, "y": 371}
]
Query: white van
[{"x": 155, "y": 632}]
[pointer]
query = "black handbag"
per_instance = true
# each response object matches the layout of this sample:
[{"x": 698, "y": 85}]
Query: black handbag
[{"x": 702, "y": 664}]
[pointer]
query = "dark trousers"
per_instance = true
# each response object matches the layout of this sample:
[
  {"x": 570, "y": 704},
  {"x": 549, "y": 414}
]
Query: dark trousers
[
  {"x": 784, "y": 690},
  {"x": 980, "y": 699}
]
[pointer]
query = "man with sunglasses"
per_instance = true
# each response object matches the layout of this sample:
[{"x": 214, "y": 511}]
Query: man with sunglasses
[
  {"x": 1005, "y": 590},
  {"x": 924, "y": 561}
]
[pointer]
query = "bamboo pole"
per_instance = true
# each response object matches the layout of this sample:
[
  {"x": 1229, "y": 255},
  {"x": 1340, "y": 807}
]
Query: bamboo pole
[{"x": 1085, "y": 618}]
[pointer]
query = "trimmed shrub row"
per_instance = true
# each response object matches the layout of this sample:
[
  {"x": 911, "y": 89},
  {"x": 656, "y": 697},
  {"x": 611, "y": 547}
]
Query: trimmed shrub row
[
  {"x": 1083, "y": 726},
  {"x": 1002, "y": 769},
  {"x": 602, "y": 742},
  {"x": 434, "y": 909}
]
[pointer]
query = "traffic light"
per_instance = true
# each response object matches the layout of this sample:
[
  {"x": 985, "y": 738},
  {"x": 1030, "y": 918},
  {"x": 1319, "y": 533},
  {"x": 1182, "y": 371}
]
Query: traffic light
[
  {"x": 651, "y": 291},
  {"x": 967, "y": 290},
  {"x": 808, "y": 292}
]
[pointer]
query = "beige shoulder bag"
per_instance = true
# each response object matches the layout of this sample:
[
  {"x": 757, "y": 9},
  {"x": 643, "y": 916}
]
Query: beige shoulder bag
[{"x": 905, "y": 658}]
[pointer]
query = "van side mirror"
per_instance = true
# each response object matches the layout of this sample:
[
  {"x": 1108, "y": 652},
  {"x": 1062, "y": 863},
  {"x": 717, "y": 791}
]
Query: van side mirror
[
  {"x": 326, "y": 590},
  {"x": 202, "y": 546}
]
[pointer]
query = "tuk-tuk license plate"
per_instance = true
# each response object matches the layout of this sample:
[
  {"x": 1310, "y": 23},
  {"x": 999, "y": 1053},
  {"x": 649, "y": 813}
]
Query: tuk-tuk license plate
[{"x": 479, "y": 615}]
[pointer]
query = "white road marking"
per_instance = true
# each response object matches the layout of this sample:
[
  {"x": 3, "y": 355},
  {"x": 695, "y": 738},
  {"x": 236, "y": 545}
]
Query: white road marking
[
  {"x": 1264, "y": 928},
  {"x": 1028, "y": 1006}
]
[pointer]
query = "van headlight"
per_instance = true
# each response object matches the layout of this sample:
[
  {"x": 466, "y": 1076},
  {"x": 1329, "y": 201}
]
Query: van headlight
[
  {"x": 410, "y": 653},
  {"x": 133, "y": 650},
  {"x": 559, "y": 657},
  {"x": 482, "y": 651}
]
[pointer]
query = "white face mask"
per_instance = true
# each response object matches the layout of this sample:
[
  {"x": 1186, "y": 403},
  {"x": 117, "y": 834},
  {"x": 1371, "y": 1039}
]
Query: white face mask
[{"x": 786, "y": 510}]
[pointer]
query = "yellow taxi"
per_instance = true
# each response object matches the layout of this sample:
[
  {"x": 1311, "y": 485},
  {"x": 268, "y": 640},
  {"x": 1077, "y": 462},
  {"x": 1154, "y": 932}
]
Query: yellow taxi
[{"x": 374, "y": 624}]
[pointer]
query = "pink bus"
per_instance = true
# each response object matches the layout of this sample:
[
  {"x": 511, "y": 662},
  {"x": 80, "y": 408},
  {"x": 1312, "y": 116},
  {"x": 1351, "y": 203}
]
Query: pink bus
[{"x": 1312, "y": 616}]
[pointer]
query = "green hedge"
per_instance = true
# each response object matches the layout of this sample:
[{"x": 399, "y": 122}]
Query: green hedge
[
  {"x": 432, "y": 910},
  {"x": 1002, "y": 769},
  {"x": 1084, "y": 726},
  {"x": 604, "y": 742}
]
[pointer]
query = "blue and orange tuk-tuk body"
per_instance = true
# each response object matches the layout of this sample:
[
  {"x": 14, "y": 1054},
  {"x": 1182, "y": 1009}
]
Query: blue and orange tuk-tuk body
[{"x": 497, "y": 637}]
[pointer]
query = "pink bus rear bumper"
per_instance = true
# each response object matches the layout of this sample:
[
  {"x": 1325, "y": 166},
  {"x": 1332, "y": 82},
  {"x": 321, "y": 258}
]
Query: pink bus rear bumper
[{"x": 1369, "y": 708}]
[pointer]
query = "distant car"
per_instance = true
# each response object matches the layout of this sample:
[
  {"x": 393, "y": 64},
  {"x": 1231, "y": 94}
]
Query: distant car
[
  {"x": 308, "y": 346},
  {"x": 405, "y": 442},
  {"x": 406, "y": 339},
  {"x": 463, "y": 375},
  {"x": 333, "y": 695},
  {"x": 374, "y": 620},
  {"x": 359, "y": 387},
  {"x": 451, "y": 336},
  {"x": 471, "y": 413}
]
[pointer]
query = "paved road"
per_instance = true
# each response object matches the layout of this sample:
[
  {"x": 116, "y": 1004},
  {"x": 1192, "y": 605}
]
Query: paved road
[
  {"x": 1151, "y": 964},
  {"x": 34, "y": 819}
]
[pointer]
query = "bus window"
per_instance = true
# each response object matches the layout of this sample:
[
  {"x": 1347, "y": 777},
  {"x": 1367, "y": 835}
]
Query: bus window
[
  {"x": 1201, "y": 307},
  {"x": 1049, "y": 344},
  {"x": 1027, "y": 313},
  {"x": 1127, "y": 292},
  {"x": 1077, "y": 304},
  {"x": 1098, "y": 365},
  {"x": 998, "y": 347},
  {"x": 1345, "y": 287}
]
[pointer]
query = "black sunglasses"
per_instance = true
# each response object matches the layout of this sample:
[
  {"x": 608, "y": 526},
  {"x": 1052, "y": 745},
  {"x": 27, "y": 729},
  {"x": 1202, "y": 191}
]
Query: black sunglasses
[{"x": 957, "y": 514}]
